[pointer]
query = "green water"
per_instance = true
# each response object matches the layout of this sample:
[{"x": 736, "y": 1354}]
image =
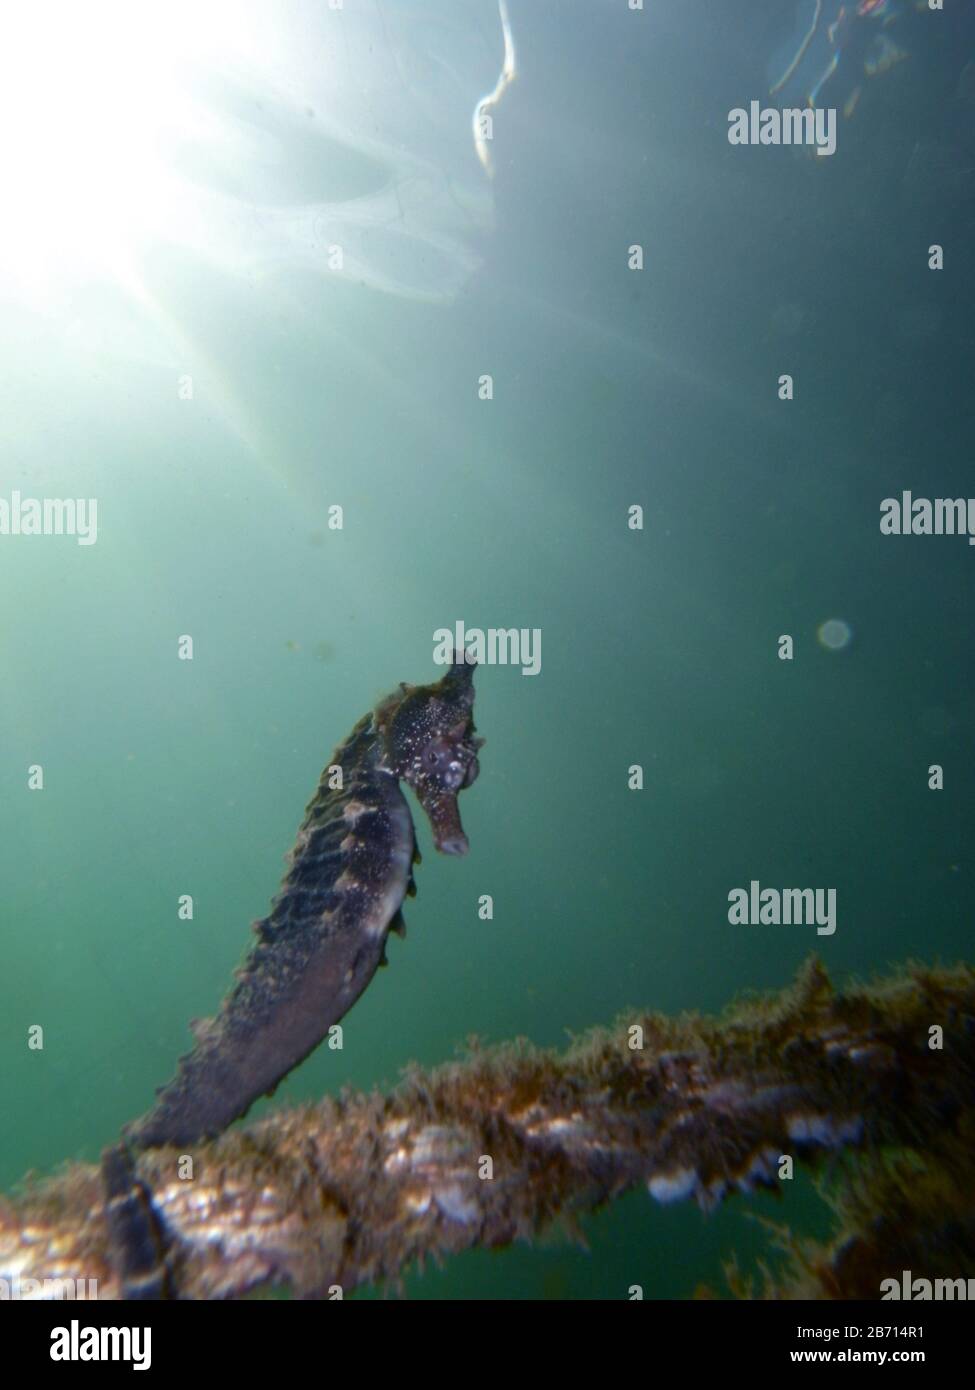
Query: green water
[{"x": 612, "y": 388}]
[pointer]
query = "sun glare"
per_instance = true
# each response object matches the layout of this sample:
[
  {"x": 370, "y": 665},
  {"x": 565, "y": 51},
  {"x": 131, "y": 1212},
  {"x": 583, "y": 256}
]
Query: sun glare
[
  {"x": 260, "y": 140},
  {"x": 86, "y": 92}
]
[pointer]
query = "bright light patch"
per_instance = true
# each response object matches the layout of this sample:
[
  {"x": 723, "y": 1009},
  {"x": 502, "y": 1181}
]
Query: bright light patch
[
  {"x": 835, "y": 634},
  {"x": 260, "y": 142},
  {"x": 85, "y": 94},
  {"x": 258, "y": 138}
]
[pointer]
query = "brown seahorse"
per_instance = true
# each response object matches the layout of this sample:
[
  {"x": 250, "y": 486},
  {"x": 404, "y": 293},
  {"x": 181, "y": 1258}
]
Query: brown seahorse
[{"x": 350, "y": 869}]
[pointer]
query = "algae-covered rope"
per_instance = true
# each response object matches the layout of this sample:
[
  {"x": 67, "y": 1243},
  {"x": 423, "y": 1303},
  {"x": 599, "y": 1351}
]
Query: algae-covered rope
[{"x": 494, "y": 1148}]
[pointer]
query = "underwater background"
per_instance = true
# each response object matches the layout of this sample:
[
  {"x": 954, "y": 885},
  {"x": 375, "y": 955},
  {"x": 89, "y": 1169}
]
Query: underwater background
[{"x": 612, "y": 387}]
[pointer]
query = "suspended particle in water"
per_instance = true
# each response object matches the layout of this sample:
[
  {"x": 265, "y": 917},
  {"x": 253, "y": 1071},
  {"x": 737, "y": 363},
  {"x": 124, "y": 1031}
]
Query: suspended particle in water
[{"x": 834, "y": 634}]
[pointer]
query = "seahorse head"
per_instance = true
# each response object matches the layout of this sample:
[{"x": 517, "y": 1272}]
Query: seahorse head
[{"x": 428, "y": 740}]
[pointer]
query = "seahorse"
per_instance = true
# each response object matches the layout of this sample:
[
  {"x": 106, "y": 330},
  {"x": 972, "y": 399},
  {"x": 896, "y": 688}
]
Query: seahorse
[{"x": 350, "y": 870}]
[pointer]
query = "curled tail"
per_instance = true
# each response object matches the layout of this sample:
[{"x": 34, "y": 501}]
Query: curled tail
[{"x": 137, "y": 1238}]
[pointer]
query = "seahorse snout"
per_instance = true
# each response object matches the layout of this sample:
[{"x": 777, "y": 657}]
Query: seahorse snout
[{"x": 453, "y": 844}]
